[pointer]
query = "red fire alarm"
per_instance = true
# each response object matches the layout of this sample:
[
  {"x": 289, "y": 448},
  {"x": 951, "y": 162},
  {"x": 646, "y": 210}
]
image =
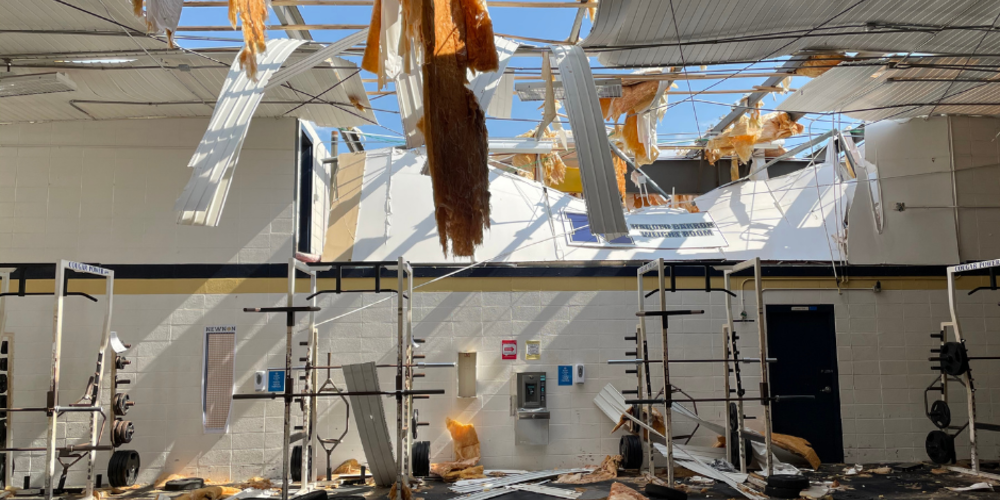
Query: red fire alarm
[{"x": 508, "y": 349}]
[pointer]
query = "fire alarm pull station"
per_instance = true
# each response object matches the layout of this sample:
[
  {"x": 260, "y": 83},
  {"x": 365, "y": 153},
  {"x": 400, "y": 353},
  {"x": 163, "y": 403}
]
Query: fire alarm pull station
[{"x": 531, "y": 412}]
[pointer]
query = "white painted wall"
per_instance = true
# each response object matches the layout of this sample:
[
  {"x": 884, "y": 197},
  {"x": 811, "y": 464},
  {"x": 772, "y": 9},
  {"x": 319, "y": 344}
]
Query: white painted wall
[
  {"x": 914, "y": 160},
  {"x": 104, "y": 192},
  {"x": 977, "y": 184},
  {"x": 883, "y": 345}
]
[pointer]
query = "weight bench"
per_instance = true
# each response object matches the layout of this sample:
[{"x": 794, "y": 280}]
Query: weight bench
[{"x": 369, "y": 415}]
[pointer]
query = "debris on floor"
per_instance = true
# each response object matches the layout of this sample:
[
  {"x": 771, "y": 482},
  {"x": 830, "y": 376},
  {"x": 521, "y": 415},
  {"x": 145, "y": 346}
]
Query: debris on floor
[
  {"x": 350, "y": 466},
  {"x": 465, "y": 443},
  {"x": 974, "y": 487},
  {"x": 209, "y": 493},
  {"x": 850, "y": 471},
  {"x": 621, "y": 492},
  {"x": 797, "y": 446},
  {"x": 257, "y": 483},
  {"x": 606, "y": 471}
]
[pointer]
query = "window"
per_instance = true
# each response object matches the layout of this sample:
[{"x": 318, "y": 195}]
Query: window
[
  {"x": 306, "y": 172},
  {"x": 582, "y": 234},
  {"x": 218, "y": 377}
]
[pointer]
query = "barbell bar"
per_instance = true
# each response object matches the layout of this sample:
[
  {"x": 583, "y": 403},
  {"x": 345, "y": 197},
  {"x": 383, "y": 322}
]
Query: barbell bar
[{"x": 651, "y": 361}]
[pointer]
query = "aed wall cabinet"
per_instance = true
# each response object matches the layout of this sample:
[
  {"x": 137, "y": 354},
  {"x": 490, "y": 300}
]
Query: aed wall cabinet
[
  {"x": 531, "y": 412},
  {"x": 466, "y": 374}
]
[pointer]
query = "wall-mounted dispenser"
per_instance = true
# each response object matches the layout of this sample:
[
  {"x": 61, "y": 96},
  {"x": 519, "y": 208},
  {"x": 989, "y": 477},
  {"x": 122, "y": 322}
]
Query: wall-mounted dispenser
[
  {"x": 530, "y": 410},
  {"x": 466, "y": 374}
]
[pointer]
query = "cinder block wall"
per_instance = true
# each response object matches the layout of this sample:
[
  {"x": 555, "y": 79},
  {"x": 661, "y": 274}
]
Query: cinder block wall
[
  {"x": 104, "y": 192},
  {"x": 883, "y": 346}
]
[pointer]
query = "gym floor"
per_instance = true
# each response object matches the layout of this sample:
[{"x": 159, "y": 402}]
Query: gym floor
[{"x": 922, "y": 482}]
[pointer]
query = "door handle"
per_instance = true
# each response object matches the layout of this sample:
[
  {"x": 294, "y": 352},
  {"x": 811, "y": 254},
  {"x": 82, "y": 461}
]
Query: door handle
[
  {"x": 826, "y": 389},
  {"x": 826, "y": 372}
]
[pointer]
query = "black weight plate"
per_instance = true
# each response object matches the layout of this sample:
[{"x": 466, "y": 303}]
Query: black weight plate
[
  {"x": 630, "y": 448},
  {"x": 782, "y": 492},
  {"x": 296, "y": 464},
  {"x": 123, "y": 468},
  {"x": 413, "y": 423},
  {"x": 421, "y": 454},
  {"x": 657, "y": 491},
  {"x": 3, "y": 347},
  {"x": 313, "y": 495},
  {"x": 788, "y": 481},
  {"x": 3, "y": 382},
  {"x": 188, "y": 483},
  {"x": 940, "y": 447},
  {"x": 940, "y": 414},
  {"x": 954, "y": 358}
]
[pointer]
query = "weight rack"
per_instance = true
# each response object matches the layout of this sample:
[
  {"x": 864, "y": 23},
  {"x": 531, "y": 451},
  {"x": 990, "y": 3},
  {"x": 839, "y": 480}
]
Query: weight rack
[
  {"x": 404, "y": 393},
  {"x": 953, "y": 361},
  {"x": 91, "y": 400}
]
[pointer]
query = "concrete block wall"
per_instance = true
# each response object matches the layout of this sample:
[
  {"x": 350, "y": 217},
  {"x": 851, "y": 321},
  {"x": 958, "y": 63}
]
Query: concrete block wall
[
  {"x": 104, "y": 192},
  {"x": 883, "y": 345}
]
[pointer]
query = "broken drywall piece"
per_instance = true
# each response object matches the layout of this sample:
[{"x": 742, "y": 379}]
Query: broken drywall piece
[
  {"x": 213, "y": 163},
  {"x": 503, "y": 98},
  {"x": 600, "y": 188}
]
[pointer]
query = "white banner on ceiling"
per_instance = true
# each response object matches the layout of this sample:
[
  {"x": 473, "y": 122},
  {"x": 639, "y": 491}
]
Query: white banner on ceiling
[{"x": 653, "y": 229}]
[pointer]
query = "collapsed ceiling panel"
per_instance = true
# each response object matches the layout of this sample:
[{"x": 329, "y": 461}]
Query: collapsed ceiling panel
[
  {"x": 718, "y": 31},
  {"x": 901, "y": 89}
]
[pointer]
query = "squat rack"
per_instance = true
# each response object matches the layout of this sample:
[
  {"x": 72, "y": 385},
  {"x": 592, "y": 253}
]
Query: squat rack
[
  {"x": 642, "y": 362},
  {"x": 404, "y": 392},
  {"x": 954, "y": 360},
  {"x": 91, "y": 400}
]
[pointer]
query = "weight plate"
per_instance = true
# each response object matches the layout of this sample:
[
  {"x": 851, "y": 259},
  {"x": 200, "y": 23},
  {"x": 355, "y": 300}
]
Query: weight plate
[
  {"x": 940, "y": 447},
  {"x": 123, "y": 468},
  {"x": 120, "y": 362},
  {"x": 788, "y": 481},
  {"x": 657, "y": 491},
  {"x": 954, "y": 358},
  {"x": 121, "y": 432},
  {"x": 421, "y": 455},
  {"x": 771, "y": 491},
  {"x": 940, "y": 414},
  {"x": 630, "y": 448},
  {"x": 119, "y": 403},
  {"x": 188, "y": 483},
  {"x": 3, "y": 382},
  {"x": 296, "y": 464},
  {"x": 413, "y": 423}
]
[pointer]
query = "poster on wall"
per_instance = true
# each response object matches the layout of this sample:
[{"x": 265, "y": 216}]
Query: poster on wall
[
  {"x": 218, "y": 377},
  {"x": 508, "y": 349},
  {"x": 533, "y": 349}
]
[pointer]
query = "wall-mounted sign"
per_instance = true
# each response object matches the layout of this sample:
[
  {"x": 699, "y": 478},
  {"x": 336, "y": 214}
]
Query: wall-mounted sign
[
  {"x": 533, "y": 349},
  {"x": 651, "y": 228},
  {"x": 508, "y": 349},
  {"x": 565, "y": 375},
  {"x": 276, "y": 381}
]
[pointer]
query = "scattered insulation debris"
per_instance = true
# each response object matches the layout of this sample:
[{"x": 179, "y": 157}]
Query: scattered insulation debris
[
  {"x": 819, "y": 64},
  {"x": 644, "y": 104},
  {"x": 407, "y": 493},
  {"x": 350, "y": 466},
  {"x": 797, "y": 446},
  {"x": 604, "y": 472},
  {"x": 160, "y": 15},
  {"x": 257, "y": 483},
  {"x": 551, "y": 163},
  {"x": 739, "y": 139},
  {"x": 632, "y": 426},
  {"x": 621, "y": 492},
  {"x": 209, "y": 493},
  {"x": 465, "y": 443}
]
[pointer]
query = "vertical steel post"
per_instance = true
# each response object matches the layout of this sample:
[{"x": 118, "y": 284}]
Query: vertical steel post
[
  {"x": 765, "y": 384},
  {"x": 289, "y": 380},
  {"x": 400, "y": 468},
  {"x": 970, "y": 391},
  {"x": 641, "y": 372},
  {"x": 9, "y": 457},
  {"x": 109, "y": 291},
  {"x": 667, "y": 389},
  {"x": 53, "y": 397}
]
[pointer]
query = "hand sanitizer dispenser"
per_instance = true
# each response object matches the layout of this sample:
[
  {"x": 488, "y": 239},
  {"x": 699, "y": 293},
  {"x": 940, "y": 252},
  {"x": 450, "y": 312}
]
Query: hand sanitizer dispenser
[{"x": 531, "y": 412}]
